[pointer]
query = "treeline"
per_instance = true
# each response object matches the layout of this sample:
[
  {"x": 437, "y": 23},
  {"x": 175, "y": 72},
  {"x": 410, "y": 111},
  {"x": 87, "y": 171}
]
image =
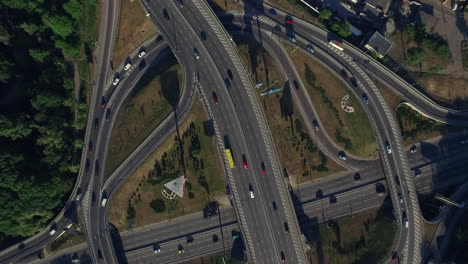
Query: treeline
[{"x": 41, "y": 120}]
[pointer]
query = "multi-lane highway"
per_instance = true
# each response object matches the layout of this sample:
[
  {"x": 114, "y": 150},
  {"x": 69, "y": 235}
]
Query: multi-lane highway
[{"x": 240, "y": 112}]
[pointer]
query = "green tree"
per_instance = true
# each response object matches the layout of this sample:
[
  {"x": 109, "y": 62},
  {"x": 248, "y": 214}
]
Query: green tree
[
  {"x": 158, "y": 205},
  {"x": 69, "y": 49},
  {"x": 14, "y": 129},
  {"x": 416, "y": 56},
  {"x": 46, "y": 100},
  {"x": 29, "y": 28},
  {"x": 39, "y": 55},
  {"x": 73, "y": 8},
  {"x": 60, "y": 25},
  {"x": 5, "y": 70},
  {"x": 342, "y": 28},
  {"x": 325, "y": 14}
]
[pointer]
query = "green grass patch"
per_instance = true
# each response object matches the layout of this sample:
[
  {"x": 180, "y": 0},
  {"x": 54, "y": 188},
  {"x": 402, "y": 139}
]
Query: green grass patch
[
  {"x": 149, "y": 103},
  {"x": 64, "y": 241}
]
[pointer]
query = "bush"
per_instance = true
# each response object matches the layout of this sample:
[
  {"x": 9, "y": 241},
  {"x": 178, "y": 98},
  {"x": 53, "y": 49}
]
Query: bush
[
  {"x": 188, "y": 185},
  {"x": 158, "y": 205},
  {"x": 191, "y": 195},
  {"x": 415, "y": 56}
]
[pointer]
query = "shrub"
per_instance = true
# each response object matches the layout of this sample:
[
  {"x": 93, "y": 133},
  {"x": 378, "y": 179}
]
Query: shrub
[{"x": 158, "y": 205}]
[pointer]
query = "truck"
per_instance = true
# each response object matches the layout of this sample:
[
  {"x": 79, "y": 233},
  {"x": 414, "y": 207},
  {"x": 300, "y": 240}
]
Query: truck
[
  {"x": 336, "y": 44},
  {"x": 230, "y": 160},
  {"x": 104, "y": 199}
]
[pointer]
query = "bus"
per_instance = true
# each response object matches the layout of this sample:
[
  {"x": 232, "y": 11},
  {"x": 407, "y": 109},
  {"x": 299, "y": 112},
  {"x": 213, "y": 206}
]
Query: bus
[
  {"x": 336, "y": 44},
  {"x": 229, "y": 157}
]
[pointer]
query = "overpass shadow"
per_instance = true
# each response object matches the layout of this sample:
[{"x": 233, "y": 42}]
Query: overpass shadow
[{"x": 117, "y": 243}]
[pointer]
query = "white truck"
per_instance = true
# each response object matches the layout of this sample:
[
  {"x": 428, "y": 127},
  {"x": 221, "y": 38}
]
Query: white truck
[
  {"x": 104, "y": 201},
  {"x": 127, "y": 66}
]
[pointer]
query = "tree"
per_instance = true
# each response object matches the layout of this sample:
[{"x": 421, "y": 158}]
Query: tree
[
  {"x": 39, "y": 55},
  {"x": 29, "y": 28},
  {"x": 60, "y": 25},
  {"x": 342, "y": 28},
  {"x": 5, "y": 70},
  {"x": 14, "y": 130},
  {"x": 325, "y": 14},
  {"x": 415, "y": 56},
  {"x": 46, "y": 100},
  {"x": 73, "y": 8},
  {"x": 158, "y": 205},
  {"x": 69, "y": 49}
]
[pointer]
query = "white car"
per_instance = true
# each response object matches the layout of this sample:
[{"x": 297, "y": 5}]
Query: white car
[
  {"x": 156, "y": 249},
  {"x": 252, "y": 195},
  {"x": 52, "y": 231},
  {"x": 127, "y": 66},
  {"x": 141, "y": 54},
  {"x": 389, "y": 149},
  {"x": 400, "y": 197},
  {"x": 342, "y": 156},
  {"x": 195, "y": 53},
  {"x": 116, "y": 81}
]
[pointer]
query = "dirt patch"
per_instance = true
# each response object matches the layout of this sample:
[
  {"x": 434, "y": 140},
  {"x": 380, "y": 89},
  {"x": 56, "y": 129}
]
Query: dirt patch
[
  {"x": 203, "y": 168},
  {"x": 351, "y": 131},
  {"x": 429, "y": 230},
  {"x": 447, "y": 89},
  {"x": 134, "y": 28},
  {"x": 299, "y": 156},
  {"x": 143, "y": 110}
]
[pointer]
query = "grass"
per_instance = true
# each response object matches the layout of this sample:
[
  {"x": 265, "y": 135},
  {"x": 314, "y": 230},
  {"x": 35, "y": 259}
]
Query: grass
[
  {"x": 205, "y": 177},
  {"x": 351, "y": 131},
  {"x": 134, "y": 28},
  {"x": 296, "y": 151},
  {"x": 366, "y": 237},
  {"x": 446, "y": 89},
  {"x": 465, "y": 53},
  {"x": 143, "y": 110},
  {"x": 65, "y": 241},
  {"x": 416, "y": 127}
]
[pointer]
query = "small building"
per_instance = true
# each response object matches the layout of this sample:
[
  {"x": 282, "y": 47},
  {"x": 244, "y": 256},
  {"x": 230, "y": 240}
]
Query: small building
[{"x": 377, "y": 43}]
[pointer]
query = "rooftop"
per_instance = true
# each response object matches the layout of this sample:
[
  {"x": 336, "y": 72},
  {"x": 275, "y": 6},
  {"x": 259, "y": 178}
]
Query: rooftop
[{"x": 378, "y": 43}]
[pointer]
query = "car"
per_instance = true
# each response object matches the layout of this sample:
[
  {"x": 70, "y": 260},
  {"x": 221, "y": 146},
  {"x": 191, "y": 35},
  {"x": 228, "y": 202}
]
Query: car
[
  {"x": 103, "y": 101},
  {"x": 388, "y": 148},
  {"x": 400, "y": 197},
  {"x": 78, "y": 194},
  {"x": 166, "y": 14},
  {"x": 417, "y": 173},
  {"x": 357, "y": 177},
  {"x": 277, "y": 28},
  {"x": 215, "y": 98},
  {"x": 99, "y": 252},
  {"x": 195, "y": 53},
  {"x": 108, "y": 114},
  {"x": 156, "y": 249},
  {"x": 227, "y": 83},
  {"x": 289, "y": 21},
  {"x": 274, "y": 205},
  {"x": 180, "y": 3},
  {"x": 286, "y": 227},
  {"x": 127, "y": 66},
  {"x": 244, "y": 162},
  {"x": 319, "y": 194},
  {"x": 252, "y": 195},
  {"x": 75, "y": 258},
  {"x": 93, "y": 199},
  {"x": 413, "y": 149},
  {"x": 342, "y": 155},
  {"x": 365, "y": 99},
  {"x": 405, "y": 222},
  {"x": 395, "y": 257},
  {"x": 203, "y": 35},
  {"x": 296, "y": 84},
  {"x": 235, "y": 234},
  {"x": 52, "y": 231},
  {"x": 229, "y": 73},
  {"x": 344, "y": 74},
  {"x": 310, "y": 48},
  {"x": 272, "y": 12},
  {"x": 333, "y": 199},
  {"x": 190, "y": 239},
  {"x": 180, "y": 249},
  {"x": 353, "y": 81},
  {"x": 263, "y": 167},
  {"x": 159, "y": 38},
  {"x": 283, "y": 258},
  {"x": 87, "y": 163},
  {"x": 116, "y": 81},
  {"x": 90, "y": 147},
  {"x": 397, "y": 180},
  {"x": 96, "y": 122},
  {"x": 316, "y": 125},
  {"x": 215, "y": 238},
  {"x": 141, "y": 54},
  {"x": 291, "y": 38}
]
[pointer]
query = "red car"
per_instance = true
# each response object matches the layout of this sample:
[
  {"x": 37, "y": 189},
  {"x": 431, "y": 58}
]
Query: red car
[
  {"x": 289, "y": 21},
  {"x": 263, "y": 168},
  {"x": 90, "y": 147},
  {"x": 215, "y": 98},
  {"x": 245, "y": 165},
  {"x": 103, "y": 102},
  {"x": 395, "y": 257},
  {"x": 283, "y": 258}
]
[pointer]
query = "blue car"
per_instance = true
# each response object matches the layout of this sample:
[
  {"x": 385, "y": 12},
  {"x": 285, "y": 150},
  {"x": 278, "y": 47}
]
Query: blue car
[{"x": 272, "y": 12}]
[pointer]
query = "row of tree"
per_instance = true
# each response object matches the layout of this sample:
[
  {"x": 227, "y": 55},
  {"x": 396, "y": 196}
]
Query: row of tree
[{"x": 41, "y": 120}]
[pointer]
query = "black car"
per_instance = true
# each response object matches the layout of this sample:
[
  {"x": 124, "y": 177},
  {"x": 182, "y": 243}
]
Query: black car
[
  {"x": 203, "y": 35},
  {"x": 108, "y": 114},
  {"x": 274, "y": 206},
  {"x": 228, "y": 83},
  {"x": 87, "y": 163},
  {"x": 357, "y": 177},
  {"x": 190, "y": 239},
  {"x": 286, "y": 227},
  {"x": 166, "y": 14},
  {"x": 215, "y": 238},
  {"x": 397, "y": 180},
  {"x": 93, "y": 198},
  {"x": 99, "y": 253},
  {"x": 333, "y": 199},
  {"x": 319, "y": 194},
  {"x": 103, "y": 101},
  {"x": 96, "y": 122},
  {"x": 296, "y": 85},
  {"x": 229, "y": 72}
]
